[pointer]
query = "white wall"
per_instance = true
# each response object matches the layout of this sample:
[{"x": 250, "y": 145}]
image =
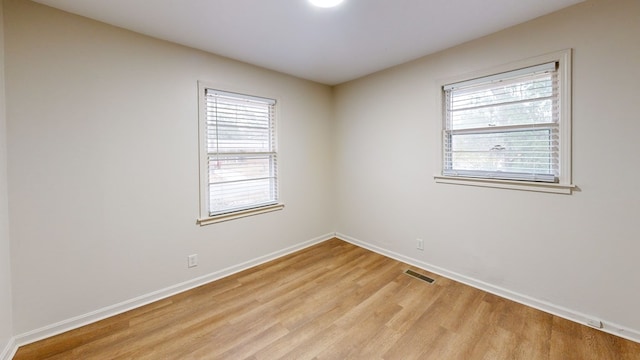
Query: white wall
[
  {"x": 103, "y": 164},
  {"x": 575, "y": 251},
  {"x": 6, "y": 330}
]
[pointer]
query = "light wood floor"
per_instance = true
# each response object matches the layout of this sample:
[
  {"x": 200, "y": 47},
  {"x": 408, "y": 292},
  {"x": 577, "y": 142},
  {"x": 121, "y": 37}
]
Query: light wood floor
[{"x": 333, "y": 301}]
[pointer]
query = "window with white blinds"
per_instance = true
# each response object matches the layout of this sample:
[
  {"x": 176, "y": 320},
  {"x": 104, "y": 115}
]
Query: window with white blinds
[
  {"x": 504, "y": 126},
  {"x": 239, "y": 152}
]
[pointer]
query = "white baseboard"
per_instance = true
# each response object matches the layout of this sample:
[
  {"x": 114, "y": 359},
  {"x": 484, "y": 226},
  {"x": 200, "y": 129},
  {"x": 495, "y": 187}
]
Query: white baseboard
[
  {"x": 100, "y": 314},
  {"x": 608, "y": 327},
  {"x": 10, "y": 350}
]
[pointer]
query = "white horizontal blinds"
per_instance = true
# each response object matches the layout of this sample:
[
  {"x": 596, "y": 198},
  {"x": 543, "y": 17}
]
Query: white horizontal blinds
[
  {"x": 241, "y": 150},
  {"x": 504, "y": 126}
]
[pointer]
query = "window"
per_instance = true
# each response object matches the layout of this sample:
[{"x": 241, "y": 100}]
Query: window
[
  {"x": 511, "y": 128},
  {"x": 238, "y": 158}
]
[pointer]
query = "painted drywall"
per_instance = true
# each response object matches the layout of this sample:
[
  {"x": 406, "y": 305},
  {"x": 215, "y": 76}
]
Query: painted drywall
[
  {"x": 576, "y": 251},
  {"x": 6, "y": 327},
  {"x": 103, "y": 164}
]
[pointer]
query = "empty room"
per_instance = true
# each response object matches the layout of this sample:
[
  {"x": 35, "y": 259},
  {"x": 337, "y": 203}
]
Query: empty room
[{"x": 410, "y": 179}]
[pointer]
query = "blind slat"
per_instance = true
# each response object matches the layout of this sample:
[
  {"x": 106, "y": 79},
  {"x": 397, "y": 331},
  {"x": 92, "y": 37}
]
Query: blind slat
[
  {"x": 242, "y": 164},
  {"x": 503, "y": 126},
  {"x": 529, "y": 71}
]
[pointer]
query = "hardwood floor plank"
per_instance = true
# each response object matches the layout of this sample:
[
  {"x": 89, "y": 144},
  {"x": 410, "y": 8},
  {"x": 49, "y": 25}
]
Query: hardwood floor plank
[
  {"x": 304, "y": 334},
  {"x": 333, "y": 301},
  {"x": 310, "y": 348}
]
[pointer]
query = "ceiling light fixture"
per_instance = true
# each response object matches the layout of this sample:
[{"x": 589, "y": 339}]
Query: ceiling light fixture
[{"x": 325, "y": 3}]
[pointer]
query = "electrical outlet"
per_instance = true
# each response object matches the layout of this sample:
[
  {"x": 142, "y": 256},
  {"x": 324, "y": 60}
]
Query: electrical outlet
[
  {"x": 192, "y": 260},
  {"x": 419, "y": 244}
]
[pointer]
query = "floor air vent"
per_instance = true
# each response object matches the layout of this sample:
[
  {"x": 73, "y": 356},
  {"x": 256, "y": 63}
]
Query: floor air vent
[{"x": 419, "y": 276}]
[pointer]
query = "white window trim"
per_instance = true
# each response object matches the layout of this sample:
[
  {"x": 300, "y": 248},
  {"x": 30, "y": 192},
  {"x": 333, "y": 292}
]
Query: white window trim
[
  {"x": 239, "y": 214},
  {"x": 204, "y": 218},
  {"x": 564, "y": 185}
]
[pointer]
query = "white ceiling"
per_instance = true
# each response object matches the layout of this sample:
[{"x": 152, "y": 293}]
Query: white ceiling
[{"x": 329, "y": 46}]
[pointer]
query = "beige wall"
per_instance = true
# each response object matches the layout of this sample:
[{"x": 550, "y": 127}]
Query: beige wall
[
  {"x": 578, "y": 252},
  {"x": 103, "y": 164},
  {"x": 6, "y": 331}
]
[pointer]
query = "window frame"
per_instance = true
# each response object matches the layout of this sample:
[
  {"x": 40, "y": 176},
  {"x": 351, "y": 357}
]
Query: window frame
[
  {"x": 564, "y": 184},
  {"x": 205, "y": 216}
]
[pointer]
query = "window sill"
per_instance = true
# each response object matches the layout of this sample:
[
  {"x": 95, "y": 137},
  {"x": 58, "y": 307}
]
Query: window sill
[
  {"x": 507, "y": 184},
  {"x": 239, "y": 214}
]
